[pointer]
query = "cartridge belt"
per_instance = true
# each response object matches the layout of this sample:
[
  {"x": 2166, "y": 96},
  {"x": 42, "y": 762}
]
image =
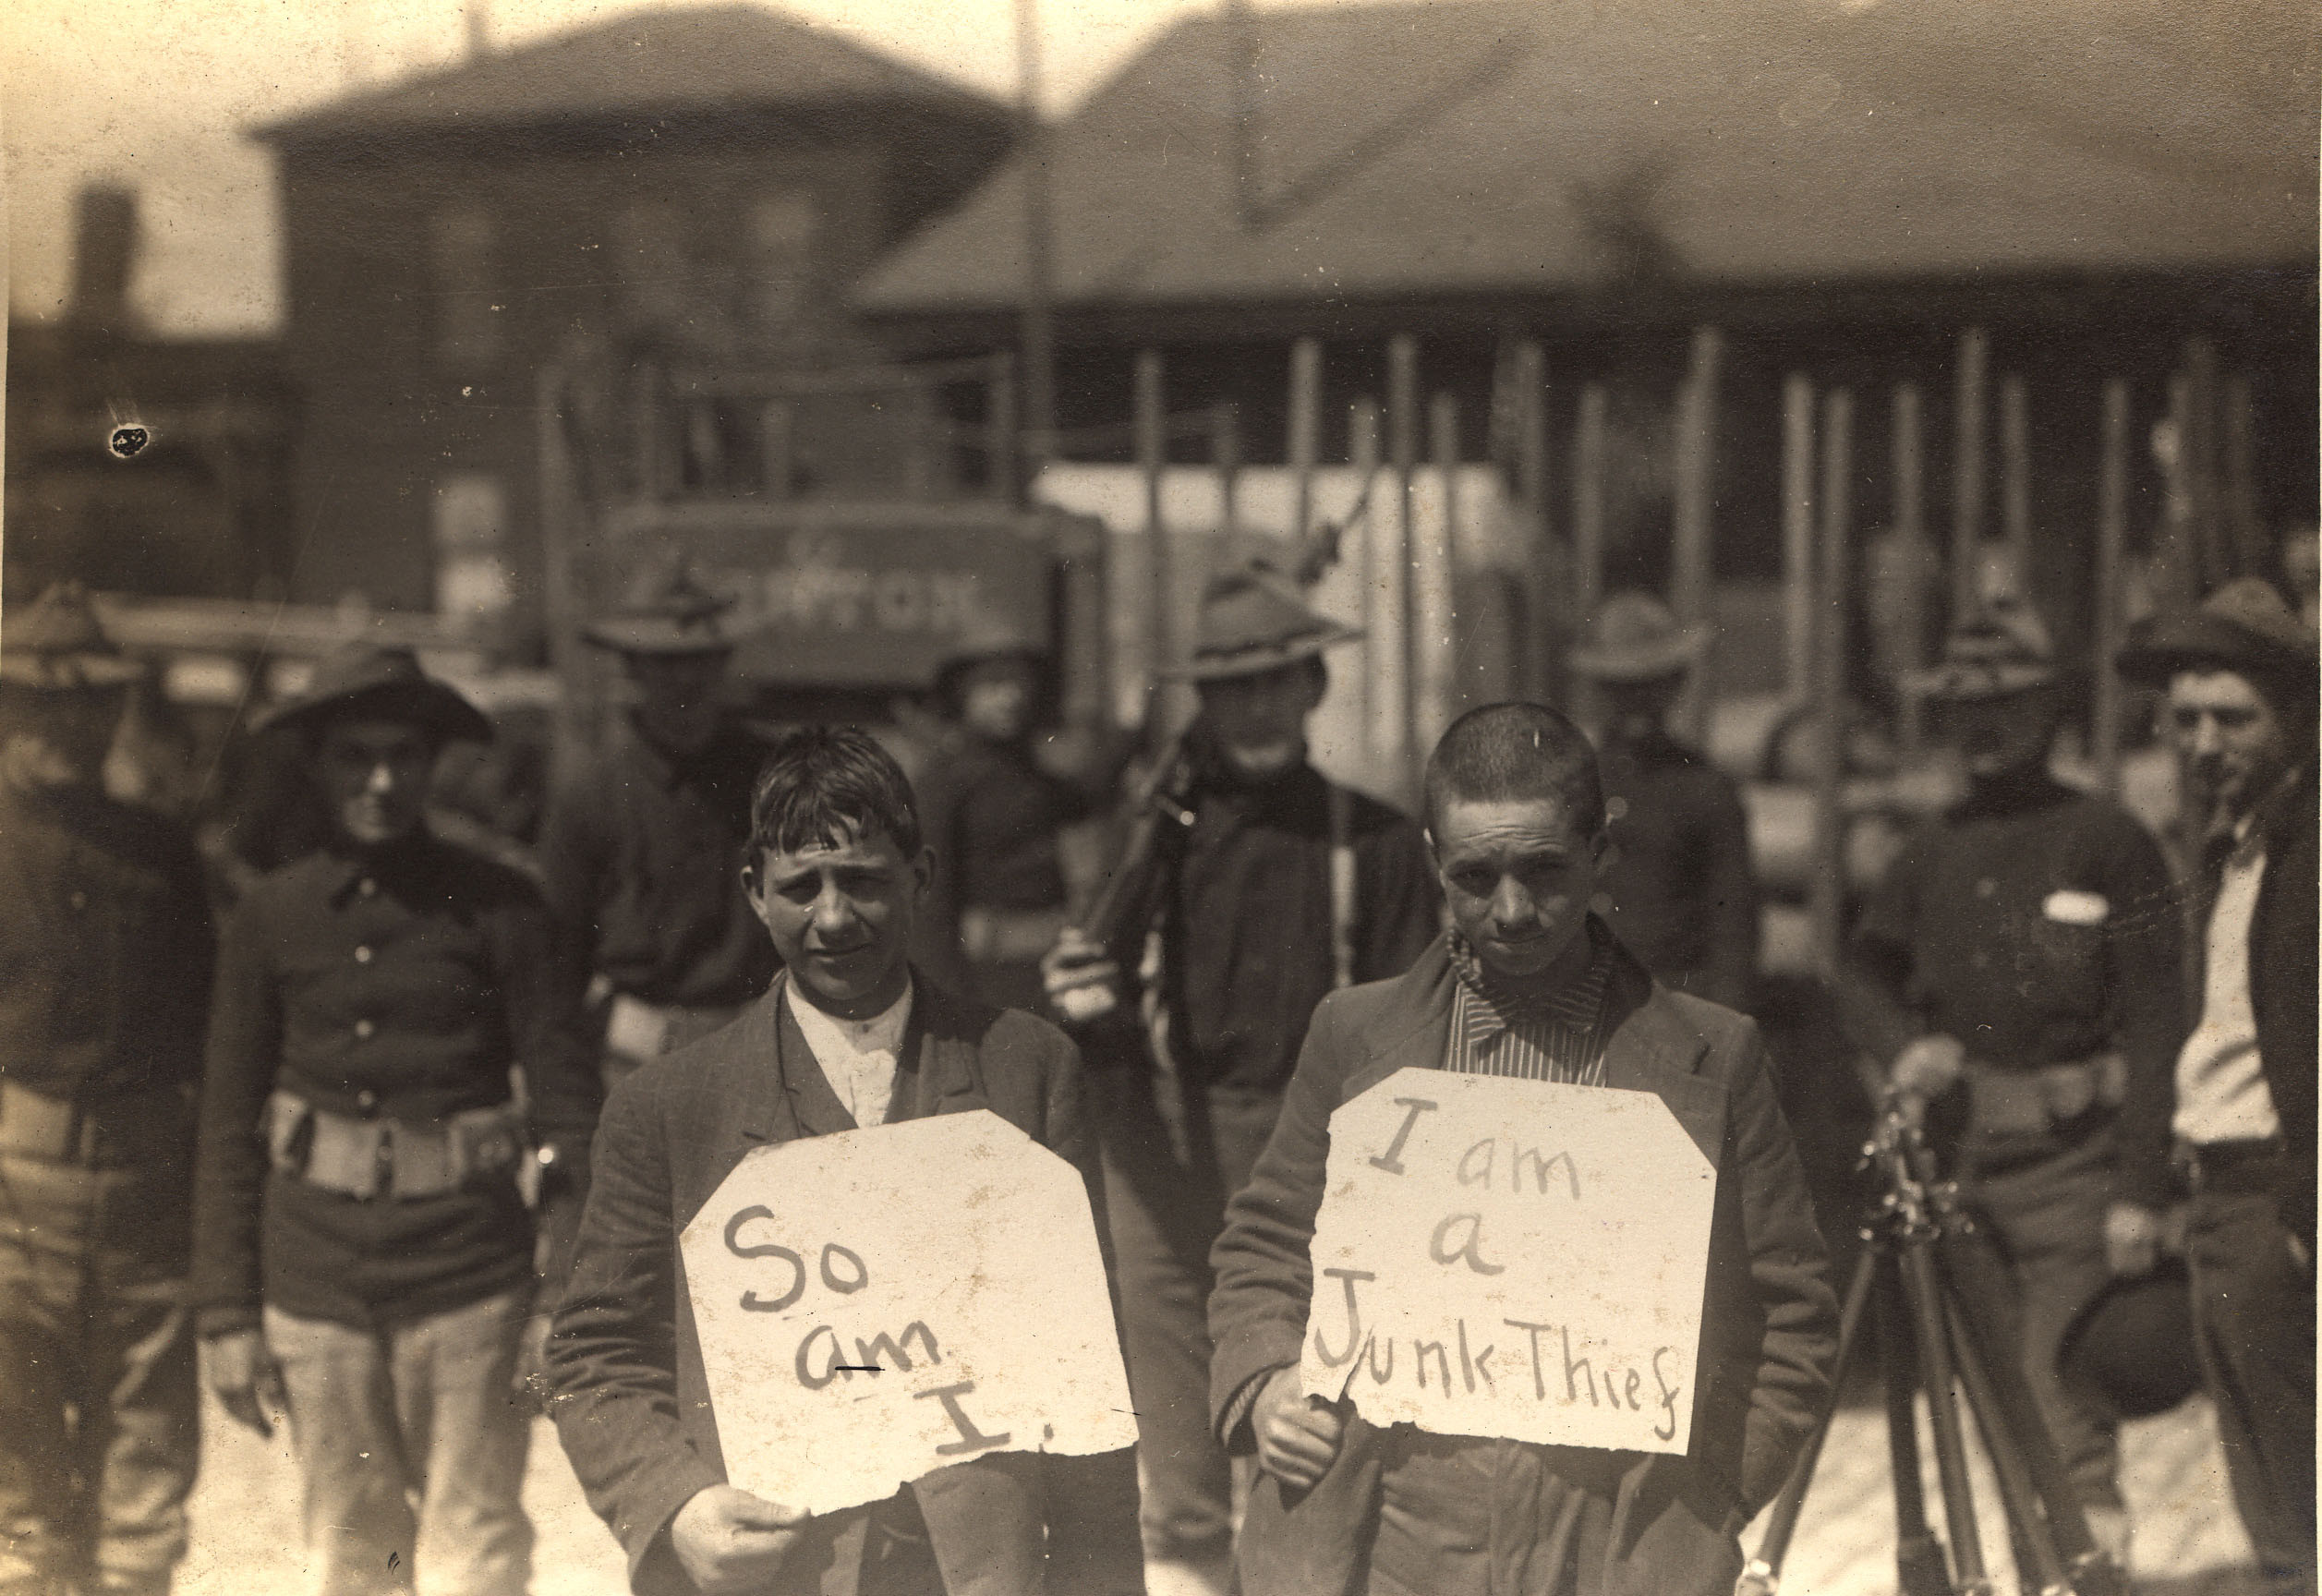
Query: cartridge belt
[
  {"x": 2250, "y": 1167},
  {"x": 390, "y": 1160},
  {"x": 2004, "y": 1103}
]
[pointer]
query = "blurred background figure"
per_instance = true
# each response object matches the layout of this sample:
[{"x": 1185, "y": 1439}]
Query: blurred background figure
[
  {"x": 994, "y": 817},
  {"x": 2023, "y": 951},
  {"x": 1679, "y": 887},
  {"x": 105, "y": 951},
  {"x": 642, "y": 849},
  {"x": 2240, "y": 674}
]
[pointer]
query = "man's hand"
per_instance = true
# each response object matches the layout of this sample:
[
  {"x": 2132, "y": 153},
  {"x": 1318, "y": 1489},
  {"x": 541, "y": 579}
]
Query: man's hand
[
  {"x": 2131, "y": 1238},
  {"x": 1298, "y": 1435},
  {"x": 1927, "y": 1066},
  {"x": 1082, "y": 981},
  {"x": 729, "y": 1541},
  {"x": 248, "y": 1380}
]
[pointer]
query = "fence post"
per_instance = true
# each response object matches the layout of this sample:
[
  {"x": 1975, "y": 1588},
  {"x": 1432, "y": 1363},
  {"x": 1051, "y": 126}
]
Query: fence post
[{"x": 1827, "y": 888}]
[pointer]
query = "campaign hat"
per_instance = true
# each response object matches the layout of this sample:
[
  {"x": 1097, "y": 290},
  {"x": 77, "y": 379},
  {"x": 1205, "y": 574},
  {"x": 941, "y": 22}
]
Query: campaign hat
[
  {"x": 57, "y": 645},
  {"x": 1252, "y": 619},
  {"x": 365, "y": 679},
  {"x": 2130, "y": 1347},
  {"x": 1998, "y": 651},
  {"x": 2245, "y": 625},
  {"x": 666, "y": 611},
  {"x": 1633, "y": 637}
]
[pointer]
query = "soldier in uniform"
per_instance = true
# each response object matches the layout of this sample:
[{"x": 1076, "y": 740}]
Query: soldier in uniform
[
  {"x": 104, "y": 979},
  {"x": 642, "y": 852},
  {"x": 993, "y": 816},
  {"x": 2022, "y": 950},
  {"x": 363, "y": 1253},
  {"x": 1678, "y": 887},
  {"x": 1275, "y": 886}
]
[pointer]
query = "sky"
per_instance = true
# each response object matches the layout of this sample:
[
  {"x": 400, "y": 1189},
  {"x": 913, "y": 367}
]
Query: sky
[{"x": 157, "y": 94}]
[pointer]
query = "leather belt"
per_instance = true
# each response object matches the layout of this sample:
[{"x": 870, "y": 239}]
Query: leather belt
[
  {"x": 391, "y": 1159},
  {"x": 2251, "y": 1168},
  {"x": 118, "y": 1131},
  {"x": 2004, "y": 1103}
]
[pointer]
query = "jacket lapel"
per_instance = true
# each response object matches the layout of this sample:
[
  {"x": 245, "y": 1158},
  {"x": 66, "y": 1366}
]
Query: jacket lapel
[
  {"x": 1416, "y": 1027},
  {"x": 810, "y": 1105},
  {"x": 1653, "y": 1050}
]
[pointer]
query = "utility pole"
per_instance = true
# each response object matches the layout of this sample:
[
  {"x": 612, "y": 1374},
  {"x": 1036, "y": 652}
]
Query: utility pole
[{"x": 1038, "y": 337}]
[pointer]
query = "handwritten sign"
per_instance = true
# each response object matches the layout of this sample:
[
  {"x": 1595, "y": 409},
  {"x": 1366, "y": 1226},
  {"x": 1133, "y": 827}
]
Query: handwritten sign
[
  {"x": 1511, "y": 1258},
  {"x": 876, "y": 1305}
]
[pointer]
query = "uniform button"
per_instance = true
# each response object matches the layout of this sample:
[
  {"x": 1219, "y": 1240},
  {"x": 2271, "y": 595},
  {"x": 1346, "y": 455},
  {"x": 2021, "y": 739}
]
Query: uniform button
[
  {"x": 367, "y": 886},
  {"x": 1601, "y": 905},
  {"x": 80, "y": 899},
  {"x": 364, "y": 1028},
  {"x": 1986, "y": 887},
  {"x": 362, "y": 955},
  {"x": 366, "y": 1100},
  {"x": 1616, "y": 808}
]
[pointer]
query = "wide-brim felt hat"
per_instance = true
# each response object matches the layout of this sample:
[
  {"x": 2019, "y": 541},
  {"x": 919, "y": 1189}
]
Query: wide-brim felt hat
[
  {"x": 57, "y": 645},
  {"x": 1995, "y": 653},
  {"x": 1634, "y": 638},
  {"x": 2245, "y": 625},
  {"x": 2131, "y": 1346},
  {"x": 1252, "y": 620},
  {"x": 363, "y": 681},
  {"x": 666, "y": 612}
]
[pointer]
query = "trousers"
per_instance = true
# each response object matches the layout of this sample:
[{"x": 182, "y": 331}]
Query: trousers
[
  {"x": 411, "y": 1440},
  {"x": 1165, "y": 1208},
  {"x": 98, "y": 1394},
  {"x": 2253, "y": 1314}
]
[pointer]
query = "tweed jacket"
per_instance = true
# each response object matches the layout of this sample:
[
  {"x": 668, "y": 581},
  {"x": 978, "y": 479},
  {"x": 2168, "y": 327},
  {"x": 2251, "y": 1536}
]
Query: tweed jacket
[
  {"x": 1769, "y": 1320},
  {"x": 632, "y": 1402}
]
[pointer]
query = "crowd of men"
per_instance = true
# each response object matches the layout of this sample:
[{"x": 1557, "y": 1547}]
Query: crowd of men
[{"x": 398, "y": 1144}]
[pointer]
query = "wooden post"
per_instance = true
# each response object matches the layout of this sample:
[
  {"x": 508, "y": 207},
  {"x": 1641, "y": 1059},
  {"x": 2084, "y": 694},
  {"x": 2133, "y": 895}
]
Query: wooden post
[
  {"x": 2176, "y": 578},
  {"x": 2198, "y": 439},
  {"x": 1434, "y": 572},
  {"x": 1966, "y": 475},
  {"x": 1588, "y": 526},
  {"x": 1038, "y": 326},
  {"x": 1543, "y": 575},
  {"x": 1402, "y": 443},
  {"x": 1000, "y": 428},
  {"x": 2238, "y": 421},
  {"x": 1910, "y": 536},
  {"x": 646, "y": 417},
  {"x": 1797, "y": 538},
  {"x": 1225, "y": 452},
  {"x": 1378, "y": 609},
  {"x": 2112, "y": 541},
  {"x": 2015, "y": 480},
  {"x": 1692, "y": 565},
  {"x": 560, "y": 584},
  {"x": 1152, "y": 458},
  {"x": 1304, "y": 443},
  {"x": 1826, "y": 891}
]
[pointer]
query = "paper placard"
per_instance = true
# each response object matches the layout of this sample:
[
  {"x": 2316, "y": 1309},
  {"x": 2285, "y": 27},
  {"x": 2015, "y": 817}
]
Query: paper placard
[
  {"x": 1512, "y": 1258},
  {"x": 878, "y": 1304}
]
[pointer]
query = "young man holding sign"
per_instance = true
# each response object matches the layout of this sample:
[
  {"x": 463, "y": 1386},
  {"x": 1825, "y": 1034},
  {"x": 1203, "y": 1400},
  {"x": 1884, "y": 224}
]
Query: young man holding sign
[
  {"x": 1532, "y": 988},
  {"x": 848, "y": 1037}
]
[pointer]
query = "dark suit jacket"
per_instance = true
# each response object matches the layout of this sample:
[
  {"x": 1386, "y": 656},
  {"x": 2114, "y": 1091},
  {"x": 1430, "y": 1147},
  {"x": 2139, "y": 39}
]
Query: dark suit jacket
[
  {"x": 2281, "y": 989},
  {"x": 1769, "y": 1322},
  {"x": 632, "y": 1402}
]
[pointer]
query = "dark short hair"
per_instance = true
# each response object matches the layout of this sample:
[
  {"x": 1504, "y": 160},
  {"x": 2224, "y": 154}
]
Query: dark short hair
[
  {"x": 824, "y": 784},
  {"x": 1516, "y": 751}
]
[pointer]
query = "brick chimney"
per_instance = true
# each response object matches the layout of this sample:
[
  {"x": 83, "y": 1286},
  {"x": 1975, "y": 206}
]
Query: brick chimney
[{"x": 104, "y": 253}]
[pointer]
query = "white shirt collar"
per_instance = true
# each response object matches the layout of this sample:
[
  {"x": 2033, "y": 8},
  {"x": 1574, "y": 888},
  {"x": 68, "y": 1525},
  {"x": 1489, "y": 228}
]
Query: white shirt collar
[{"x": 859, "y": 1057}]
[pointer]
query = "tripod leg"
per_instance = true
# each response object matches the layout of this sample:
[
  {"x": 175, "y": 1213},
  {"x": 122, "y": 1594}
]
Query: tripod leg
[
  {"x": 1763, "y": 1575},
  {"x": 1921, "y": 1566},
  {"x": 1924, "y": 1289},
  {"x": 2019, "y": 1499}
]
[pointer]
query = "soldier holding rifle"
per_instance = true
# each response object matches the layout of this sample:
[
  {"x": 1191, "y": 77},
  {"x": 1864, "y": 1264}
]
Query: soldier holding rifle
[
  {"x": 2022, "y": 953},
  {"x": 1268, "y": 887}
]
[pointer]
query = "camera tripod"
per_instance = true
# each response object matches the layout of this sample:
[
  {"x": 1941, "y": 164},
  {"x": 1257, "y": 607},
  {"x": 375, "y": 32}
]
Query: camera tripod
[{"x": 1929, "y": 1294}]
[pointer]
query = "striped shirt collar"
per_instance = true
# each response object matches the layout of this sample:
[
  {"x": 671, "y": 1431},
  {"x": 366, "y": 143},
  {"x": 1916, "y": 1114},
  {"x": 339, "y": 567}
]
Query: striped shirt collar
[
  {"x": 1557, "y": 1037},
  {"x": 1576, "y": 1003}
]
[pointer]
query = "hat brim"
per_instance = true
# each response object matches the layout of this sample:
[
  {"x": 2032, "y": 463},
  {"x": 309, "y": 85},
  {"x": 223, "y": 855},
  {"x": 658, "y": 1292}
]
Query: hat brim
[
  {"x": 2173, "y": 642},
  {"x": 655, "y": 636},
  {"x": 68, "y": 672},
  {"x": 1259, "y": 659},
  {"x": 442, "y": 712},
  {"x": 1647, "y": 663}
]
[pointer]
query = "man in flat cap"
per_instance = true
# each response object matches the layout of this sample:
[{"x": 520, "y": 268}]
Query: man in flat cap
[
  {"x": 1277, "y": 886},
  {"x": 1677, "y": 886},
  {"x": 643, "y": 850},
  {"x": 2239, "y": 675},
  {"x": 104, "y": 981},
  {"x": 2023, "y": 953},
  {"x": 362, "y": 1248}
]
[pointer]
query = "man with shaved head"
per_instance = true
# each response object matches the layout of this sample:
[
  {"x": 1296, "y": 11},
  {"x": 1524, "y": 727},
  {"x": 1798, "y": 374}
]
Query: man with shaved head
[{"x": 1527, "y": 982}]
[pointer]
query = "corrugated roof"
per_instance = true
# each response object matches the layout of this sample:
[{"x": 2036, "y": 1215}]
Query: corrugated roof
[
  {"x": 1530, "y": 146},
  {"x": 712, "y": 57}
]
